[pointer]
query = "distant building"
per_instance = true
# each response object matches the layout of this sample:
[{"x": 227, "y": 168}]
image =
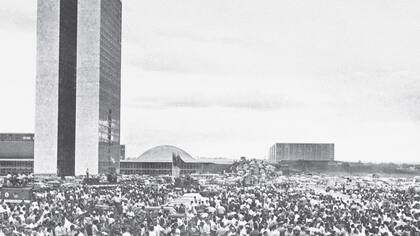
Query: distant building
[
  {"x": 16, "y": 153},
  {"x": 170, "y": 160},
  {"x": 301, "y": 151},
  {"x": 77, "y": 110},
  {"x": 16, "y": 146}
]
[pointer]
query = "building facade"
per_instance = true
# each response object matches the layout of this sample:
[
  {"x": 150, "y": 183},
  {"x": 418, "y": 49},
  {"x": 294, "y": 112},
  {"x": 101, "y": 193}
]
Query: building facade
[
  {"x": 55, "y": 86},
  {"x": 98, "y": 86},
  {"x": 78, "y": 87},
  {"x": 16, "y": 153},
  {"x": 301, "y": 151}
]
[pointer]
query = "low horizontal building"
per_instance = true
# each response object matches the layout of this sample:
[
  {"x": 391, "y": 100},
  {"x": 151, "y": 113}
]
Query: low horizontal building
[
  {"x": 16, "y": 153},
  {"x": 301, "y": 152},
  {"x": 16, "y": 145},
  {"x": 171, "y": 160}
]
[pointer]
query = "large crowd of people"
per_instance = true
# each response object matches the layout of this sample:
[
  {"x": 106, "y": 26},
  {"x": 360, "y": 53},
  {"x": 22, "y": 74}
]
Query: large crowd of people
[
  {"x": 267, "y": 209},
  {"x": 18, "y": 180}
]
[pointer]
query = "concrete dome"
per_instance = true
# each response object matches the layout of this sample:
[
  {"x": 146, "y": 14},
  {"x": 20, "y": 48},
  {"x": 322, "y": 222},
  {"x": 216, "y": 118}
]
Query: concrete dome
[{"x": 164, "y": 153}]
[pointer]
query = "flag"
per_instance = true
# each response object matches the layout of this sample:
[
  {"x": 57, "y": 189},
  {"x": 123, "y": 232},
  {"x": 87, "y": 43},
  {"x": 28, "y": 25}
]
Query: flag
[
  {"x": 176, "y": 160},
  {"x": 176, "y": 164}
]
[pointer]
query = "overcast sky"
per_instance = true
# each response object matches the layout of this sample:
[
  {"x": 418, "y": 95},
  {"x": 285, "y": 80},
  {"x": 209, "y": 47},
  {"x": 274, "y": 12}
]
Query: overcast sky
[{"x": 228, "y": 78}]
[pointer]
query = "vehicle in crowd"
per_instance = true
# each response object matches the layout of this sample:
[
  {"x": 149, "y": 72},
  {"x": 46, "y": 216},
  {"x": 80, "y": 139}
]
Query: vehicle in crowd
[{"x": 187, "y": 199}]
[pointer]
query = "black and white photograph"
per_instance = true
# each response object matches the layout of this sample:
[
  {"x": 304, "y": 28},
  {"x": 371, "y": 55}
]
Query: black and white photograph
[{"x": 210, "y": 118}]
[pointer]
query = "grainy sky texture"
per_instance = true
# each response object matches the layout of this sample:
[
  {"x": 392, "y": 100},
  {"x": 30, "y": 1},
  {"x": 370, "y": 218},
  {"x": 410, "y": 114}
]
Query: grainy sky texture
[{"x": 227, "y": 78}]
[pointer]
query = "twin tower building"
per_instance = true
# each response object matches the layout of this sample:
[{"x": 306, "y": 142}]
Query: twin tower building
[{"x": 78, "y": 92}]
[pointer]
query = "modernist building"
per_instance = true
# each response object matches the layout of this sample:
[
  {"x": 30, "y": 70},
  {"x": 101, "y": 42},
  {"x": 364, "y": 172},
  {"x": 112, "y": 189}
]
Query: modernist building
[
  {"x": 170, "y": 160},
  {"x": 16, "y": 153},
  {"x": 77, "y": 123},
  {"x": 301, "y": 151},
  {"x": 98, "y": 86},
  {"x": 55, "y": 86}
]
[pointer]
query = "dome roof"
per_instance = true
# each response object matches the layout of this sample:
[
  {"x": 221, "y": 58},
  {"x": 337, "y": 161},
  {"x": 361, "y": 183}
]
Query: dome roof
[{"x": 164, "y": 154}]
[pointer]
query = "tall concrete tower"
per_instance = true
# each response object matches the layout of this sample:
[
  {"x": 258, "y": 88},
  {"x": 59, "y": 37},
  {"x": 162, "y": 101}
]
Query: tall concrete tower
[
  {"x": 55, "y": 87},
  {"x": 98, "y": 86},
  {"x": 77, "y": 122}
]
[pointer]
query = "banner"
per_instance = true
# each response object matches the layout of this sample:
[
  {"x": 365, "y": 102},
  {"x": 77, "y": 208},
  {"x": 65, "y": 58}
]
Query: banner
[{"x": 16, "y": 194}]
